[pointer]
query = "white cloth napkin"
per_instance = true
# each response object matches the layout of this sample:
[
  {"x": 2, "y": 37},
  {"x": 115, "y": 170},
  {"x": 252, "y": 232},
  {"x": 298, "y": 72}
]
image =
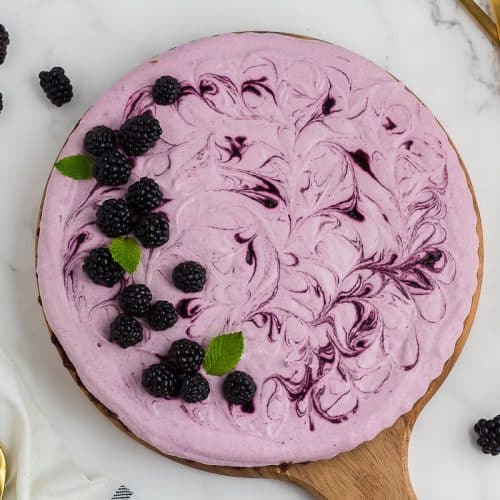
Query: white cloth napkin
[{"x": 38, "y": 467}]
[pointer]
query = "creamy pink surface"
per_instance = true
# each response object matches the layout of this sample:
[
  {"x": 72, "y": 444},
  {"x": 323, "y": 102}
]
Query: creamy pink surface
[{"x": 336, "y": 227}]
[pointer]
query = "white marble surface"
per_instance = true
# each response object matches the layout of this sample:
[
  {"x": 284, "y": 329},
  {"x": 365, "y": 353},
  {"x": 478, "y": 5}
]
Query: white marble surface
[{"x": 433, "y": 46}]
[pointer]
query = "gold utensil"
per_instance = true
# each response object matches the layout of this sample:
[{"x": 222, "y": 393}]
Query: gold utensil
[
  {"x": 3, "y": 470},
  {"x": 495, "y": 10},
  {"x": 483, "y": 19}
]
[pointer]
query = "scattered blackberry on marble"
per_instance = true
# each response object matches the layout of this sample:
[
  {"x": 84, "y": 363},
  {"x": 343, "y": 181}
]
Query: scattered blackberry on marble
[
  {"x": 56, "y": 85},
  {"x": 101, "y": 268},
  {"x": 239, "y": 388},
  {"x": 194, "y": 389},
  {"x": 99, "y": 140},
  {"x": 125, "y": 331},
  {"x": 135, "y": 300},
  {"x": 113, "y": 217},
  {"x": 185, "y": 357},
  {"x": 189, "y": 276},
  {"x": 161, "y": 315},
  {"x": 144, "y": 196},
  {"x": 488, "y": 432},
  {"x": 139, "y": 133},
  {"x": 166, "y": 90},
  {"x": 1, "y": 102},
  {"x": 112, "y": 169},
  {"x": 152, "y": 230},
  {"x": 160, "y": 382},
  {"x": 4, "y": 42}
]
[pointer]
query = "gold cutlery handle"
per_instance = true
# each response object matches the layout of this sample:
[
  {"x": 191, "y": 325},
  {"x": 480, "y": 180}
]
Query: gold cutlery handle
[
  {"x": 483, "y": 19},
  {"x": 3, "y": 470},
  {"x": 495, "y": 11}
]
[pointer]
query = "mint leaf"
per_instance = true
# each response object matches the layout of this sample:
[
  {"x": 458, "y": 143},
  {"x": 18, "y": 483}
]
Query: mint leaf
[
  {"x": 126, "y": 252},
  {"x": 223, "y": 353},
  {"x": 77, "y": 167}
]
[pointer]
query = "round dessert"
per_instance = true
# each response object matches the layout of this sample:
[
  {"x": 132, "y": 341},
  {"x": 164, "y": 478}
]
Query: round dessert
[{"x": 315, "y": 205}]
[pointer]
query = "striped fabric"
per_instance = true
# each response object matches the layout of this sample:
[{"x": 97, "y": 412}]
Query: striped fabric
[{"x": 123, "y": 493}]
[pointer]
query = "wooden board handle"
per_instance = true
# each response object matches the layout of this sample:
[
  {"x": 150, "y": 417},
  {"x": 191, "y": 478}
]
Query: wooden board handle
[{"x": 374, "y": 470}]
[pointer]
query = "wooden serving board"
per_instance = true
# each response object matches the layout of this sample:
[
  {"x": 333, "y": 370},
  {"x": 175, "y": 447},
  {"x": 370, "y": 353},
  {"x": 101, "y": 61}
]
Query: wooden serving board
[{"x": 375, "y": 470}]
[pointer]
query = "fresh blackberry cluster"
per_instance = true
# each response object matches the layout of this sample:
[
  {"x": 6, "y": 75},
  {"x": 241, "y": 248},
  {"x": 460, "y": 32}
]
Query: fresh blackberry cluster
[
  {"x": 179, "y": 370},
  {"x": 101, "y": 268},
  {"x": 185, "y": 357},
  {"x": 161, "y": 315},
  {"x": 99, "y": 140},
  {"x": 113, "y": 218},
  {"x": 139, "y": 133},
  {"x": 152, "y": 230},
  {"x": 112, "y": 169},
  {"x": 194, "y": 389},
  {"x": 4, "y": 43},
  {"x": 239, "y": 388},
  {"x": 488, "y": 432},
  {"x": 160, "y": 382},
  {"x": 166, "y": 90},
  {"x": 125, "y": 331},
  {"x": 56, "y": 86},
  {"x": 189, "y": 276},
  {"x": 144, "y": 196},
  {"x": 135, "y": 300}
]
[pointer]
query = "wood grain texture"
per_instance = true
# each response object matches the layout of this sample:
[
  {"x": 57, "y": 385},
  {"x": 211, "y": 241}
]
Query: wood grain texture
[{"x": 375, "y": 470}]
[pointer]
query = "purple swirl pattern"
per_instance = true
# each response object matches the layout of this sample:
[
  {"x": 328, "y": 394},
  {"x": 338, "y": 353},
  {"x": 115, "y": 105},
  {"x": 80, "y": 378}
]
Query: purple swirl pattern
[{"x": 323, "y": 199}]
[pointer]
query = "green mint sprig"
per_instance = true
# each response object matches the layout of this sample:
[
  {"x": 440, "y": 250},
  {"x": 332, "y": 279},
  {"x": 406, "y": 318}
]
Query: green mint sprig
[
  {"x": 77, "y": 167},
  {"x": 126, "y": 252},
  {"x": 223, "y": 353}
]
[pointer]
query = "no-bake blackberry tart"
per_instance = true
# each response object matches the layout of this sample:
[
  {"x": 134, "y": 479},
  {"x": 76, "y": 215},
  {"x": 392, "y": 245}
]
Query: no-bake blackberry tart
[{"x": 332, "y": 219}]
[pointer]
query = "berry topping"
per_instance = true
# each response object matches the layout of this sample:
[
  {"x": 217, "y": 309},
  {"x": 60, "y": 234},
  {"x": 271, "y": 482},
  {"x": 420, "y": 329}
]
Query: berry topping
[
  {"x": 162, "y": 315},
  {"x": 112, "y": 169},
  {"x": 135, "y": 300},
  {"x": 194, "y": 389},
  {"x": 4, "y": 42},
  {"x": 189, "y": 276},
  {"x": 99, "y": 140},
  {"x": 113, "y": 218},
  {"x": 152, "y": 230},
  {"x": 185, "y": 357},
  {"x": 160, "y": 382},
  {"x": 125, "y": 331},
  {"x": 143, "y": 196},
  {"x": 56, "y": 86},
  {"x": 138, "y": 134},
  {"x": 488, "y": 432},
  {"x": 101, "y": 268},
  {"x": 166, "y": 90},
  {"x": 239, "y": 388}
]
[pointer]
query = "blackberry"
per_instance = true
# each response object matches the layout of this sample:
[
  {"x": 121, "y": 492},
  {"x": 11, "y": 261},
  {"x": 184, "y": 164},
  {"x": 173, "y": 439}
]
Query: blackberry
[
  {"x": 56, "y": 86},
  {"x": 135, "y": 300},
  {"x": 125, "y": 331},
  {"x": 194, "y": 389},
  {"x": 488, "y": 432},
  {"x": 166, "y": 90},
  {"x": 138, "y": 134},
  {"x": 112, "y": 169},
  {"x": 152, "y": 230},
  {"x": 189, "y": 276},
  {"x": 144, "y": 196},
  {"x": 4, "y": 42},
  {"x": 101, "y": 268},
  {"x": 160, "y": 382},
  {"x": 1, "y": 102},
  {"x": 99, "y": 140},
  {"x": 185, "y": 357},
  {"x": 239, "y": 388},
  {"x": 162, "y": 315},
  {"x": 113, "y": 218}
]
